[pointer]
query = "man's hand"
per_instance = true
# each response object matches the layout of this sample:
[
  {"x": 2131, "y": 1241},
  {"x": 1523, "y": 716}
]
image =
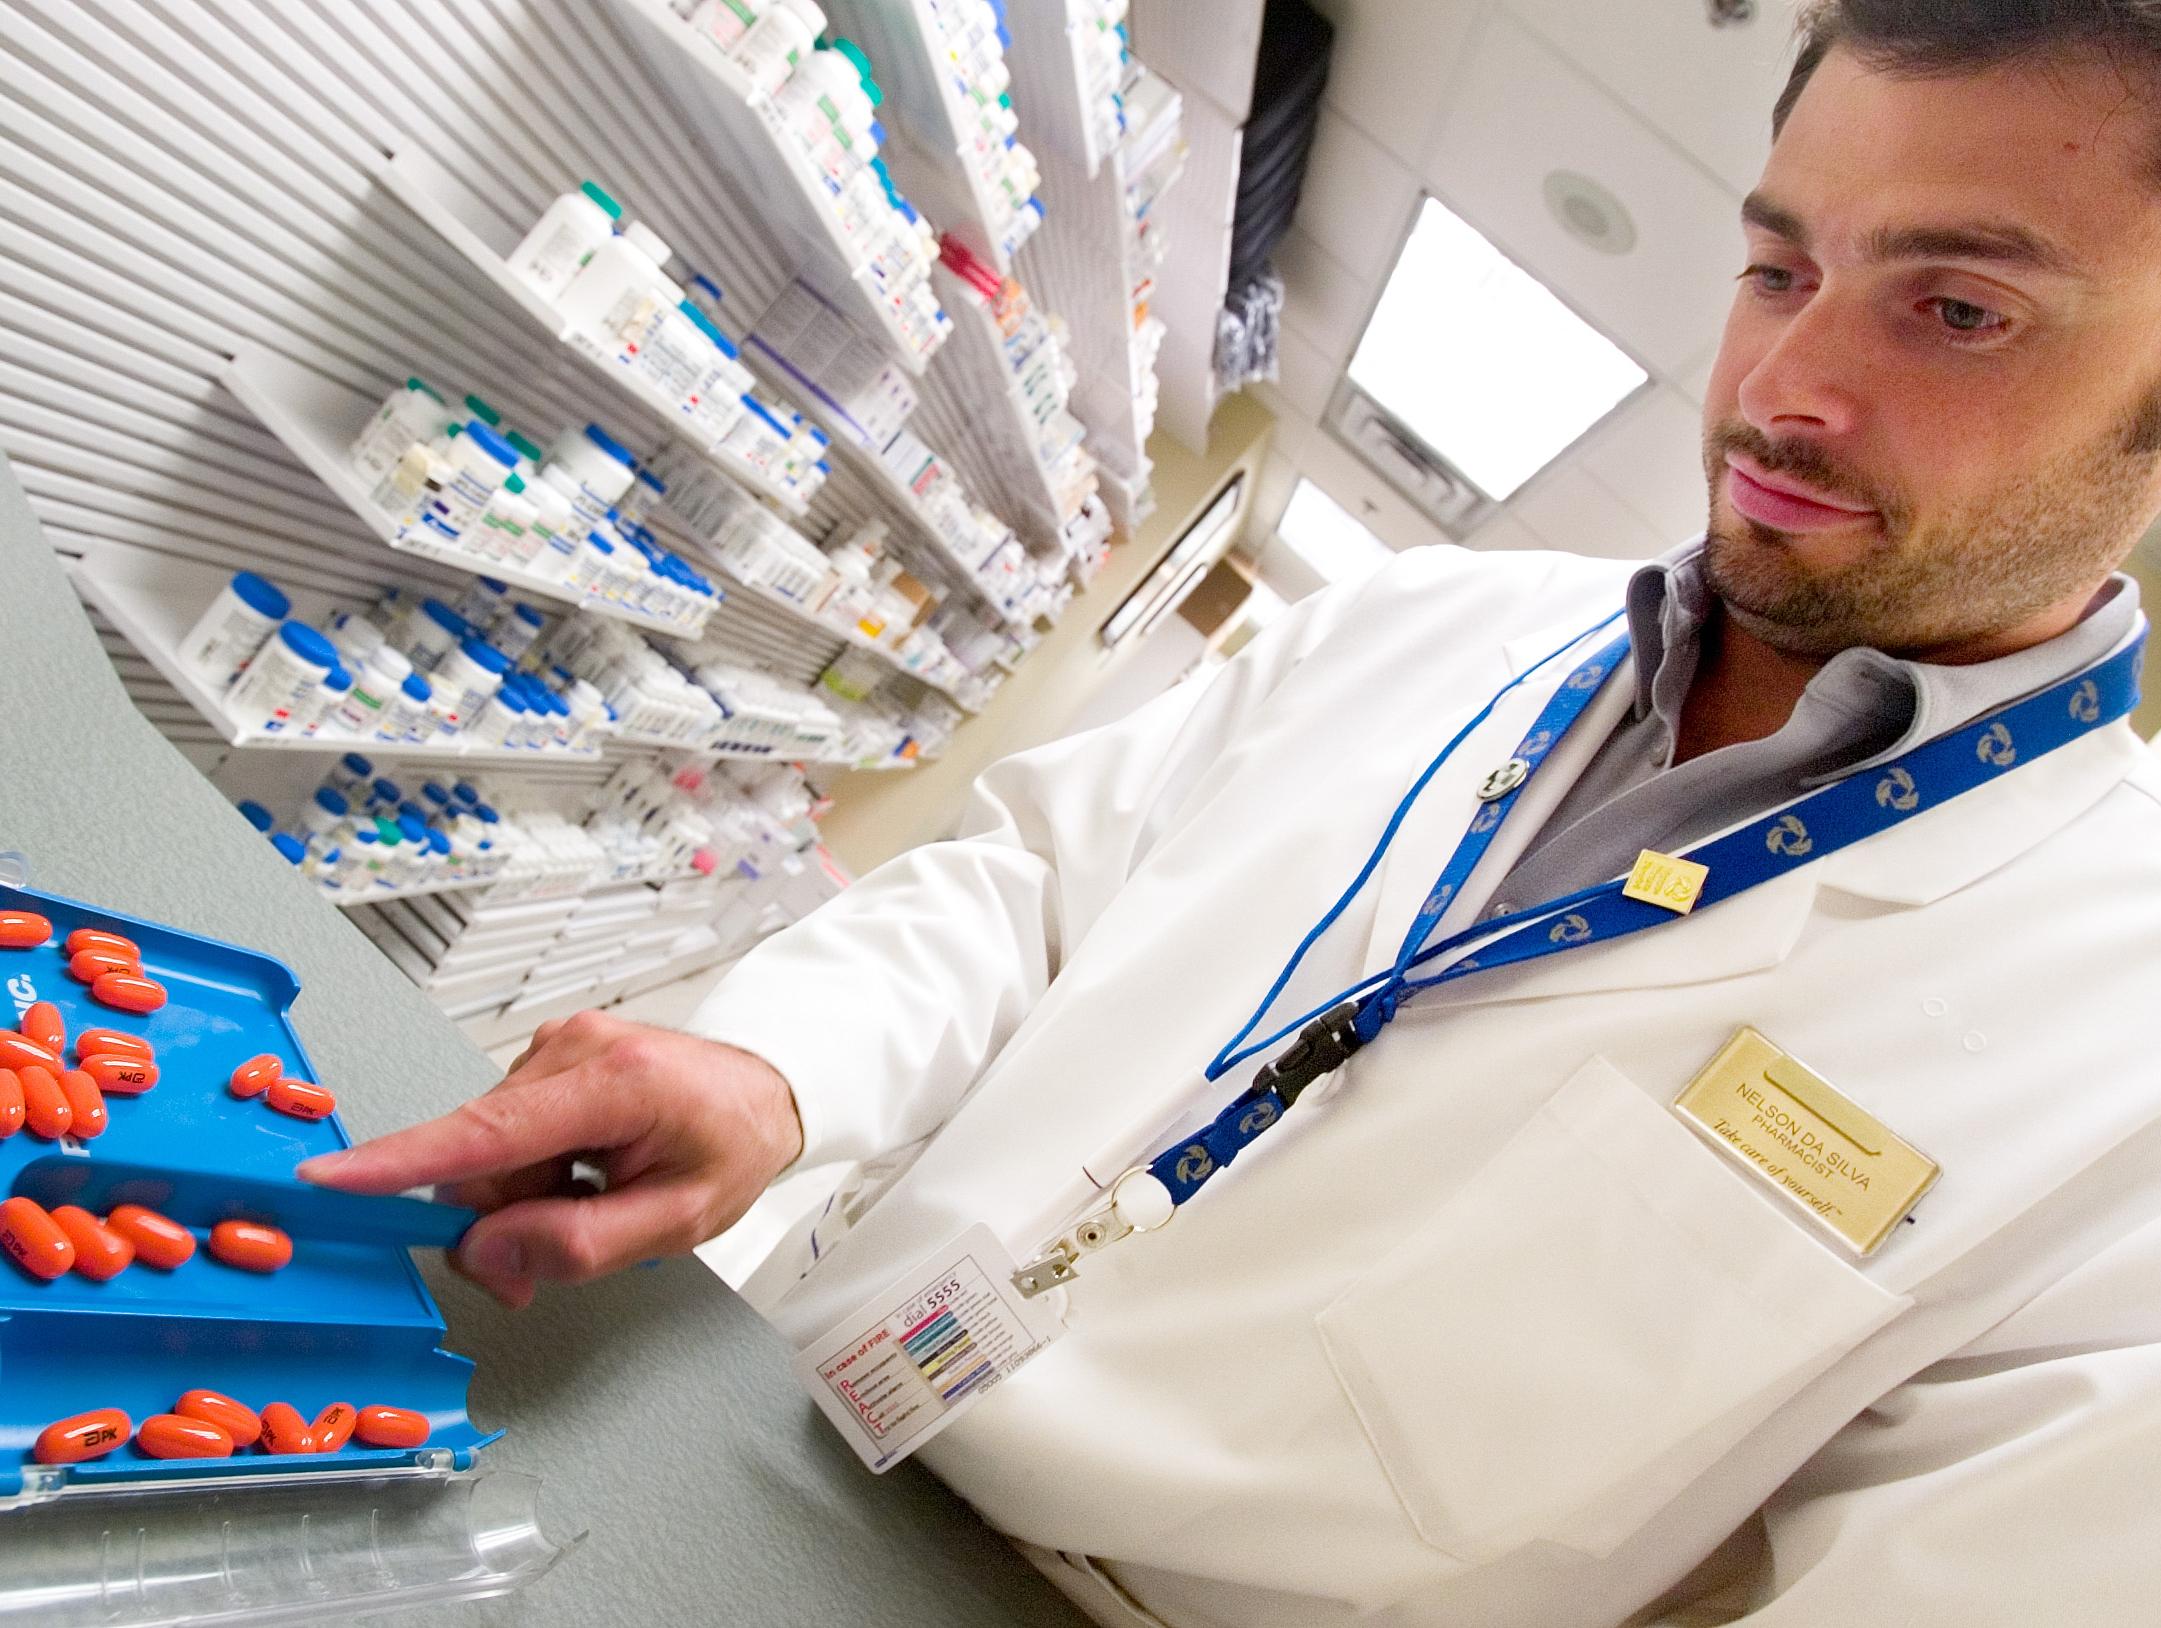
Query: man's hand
[{"x": 687, "y": 1131}]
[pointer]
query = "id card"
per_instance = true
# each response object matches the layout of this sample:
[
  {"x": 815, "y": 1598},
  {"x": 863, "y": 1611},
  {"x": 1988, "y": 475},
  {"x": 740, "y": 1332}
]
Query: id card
[{"x": 913, "y": 1360}]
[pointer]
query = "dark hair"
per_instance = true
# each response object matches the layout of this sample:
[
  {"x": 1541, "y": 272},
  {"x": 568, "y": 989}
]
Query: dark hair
[{"x": 1947, "y": 36}]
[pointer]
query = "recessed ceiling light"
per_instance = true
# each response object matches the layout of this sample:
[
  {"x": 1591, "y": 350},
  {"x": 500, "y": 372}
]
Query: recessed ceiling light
[{"x": 1589, "y": 213}]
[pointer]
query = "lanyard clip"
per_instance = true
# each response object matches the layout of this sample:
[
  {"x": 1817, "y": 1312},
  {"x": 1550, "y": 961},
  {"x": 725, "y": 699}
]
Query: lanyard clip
[{"x": 1322, "y": 1047}]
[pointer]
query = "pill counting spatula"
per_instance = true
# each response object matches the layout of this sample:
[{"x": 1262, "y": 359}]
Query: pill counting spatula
[{"x": 202, "y": 1198}]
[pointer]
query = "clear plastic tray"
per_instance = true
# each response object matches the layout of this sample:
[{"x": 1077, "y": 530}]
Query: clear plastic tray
[{"x": 302, "y": 1550}]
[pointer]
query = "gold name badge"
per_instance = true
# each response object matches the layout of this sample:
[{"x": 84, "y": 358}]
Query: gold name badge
[
  {"x": 1791, "y": 1130},
  {"x": 1662, "y": 879}
]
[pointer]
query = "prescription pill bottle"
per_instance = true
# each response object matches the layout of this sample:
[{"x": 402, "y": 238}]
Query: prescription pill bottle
[
  {"x": 564, "y": 238},
  {"x": 723, "y": 21},
  {"x": 329, "y": 697},
  {"x": 431, "y": 631},
  {"x": 322, "y": 817},
  {"x": 505, "y": 529},
  {"x": 781, "y": 37},
  {"x": 349, "y": 776},
  {"x": 471, "y": 673},
  {"x": 621, "y": 285},
  {"x": 405, "y": 716},
  {"x": 478, "y": 461},
  {"x": 283, "y": 680},
  {"x": 482, "y": 603},
  {"x": 521, "y": 629},
  {"x": 411, "y": 413},
  {"x": 238, "y": 623},
  {"x": 376, "y": 682},
  {"x": 592, "y": 469},
  {"x": 499, "y": 717}
]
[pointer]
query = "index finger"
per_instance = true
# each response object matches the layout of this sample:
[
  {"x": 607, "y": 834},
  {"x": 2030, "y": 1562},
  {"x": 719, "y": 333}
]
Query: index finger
[{"x": 492, "y": 1135}]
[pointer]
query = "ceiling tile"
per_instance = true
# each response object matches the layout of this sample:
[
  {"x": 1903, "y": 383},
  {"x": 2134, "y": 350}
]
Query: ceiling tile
[
  {"x": 1523, "y": 112},
  {"x": 1571, "y": 510},
  {"x": 1324, "y": 301},
  {"x": 1651, "y": 458},
  {"x": 1504, "y": 531},
  {"x": 1346, "y": 478},
  {"x": 1357, "y": 200},
  {"x": 1391, "y": 64},
  {"x": 1307, "y": 376},
  {"x": 1708, "y": 89}
]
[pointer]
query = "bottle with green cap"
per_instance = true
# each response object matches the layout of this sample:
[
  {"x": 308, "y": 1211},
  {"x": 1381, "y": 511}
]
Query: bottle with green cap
[
  {"x": 410, "y": 413},
  {"x": 481, "y": 410},
  {"x": 557, "y": 247}
]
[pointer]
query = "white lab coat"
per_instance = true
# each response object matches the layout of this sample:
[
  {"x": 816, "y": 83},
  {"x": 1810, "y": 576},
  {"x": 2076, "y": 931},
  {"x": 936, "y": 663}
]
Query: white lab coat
[{"x": 1482, "y": 1334}]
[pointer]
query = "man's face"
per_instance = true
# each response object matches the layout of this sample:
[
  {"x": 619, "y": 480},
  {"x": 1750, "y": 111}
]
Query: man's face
[{"x": 1950, "y": 334}]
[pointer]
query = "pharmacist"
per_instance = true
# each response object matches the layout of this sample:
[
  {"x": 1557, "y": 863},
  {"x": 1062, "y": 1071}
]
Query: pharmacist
[{"x": 1723, "y": 1178}]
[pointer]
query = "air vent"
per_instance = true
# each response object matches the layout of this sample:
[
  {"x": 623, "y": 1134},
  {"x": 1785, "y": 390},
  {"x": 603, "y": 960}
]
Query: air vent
[{"x": 1387, "y": 447}]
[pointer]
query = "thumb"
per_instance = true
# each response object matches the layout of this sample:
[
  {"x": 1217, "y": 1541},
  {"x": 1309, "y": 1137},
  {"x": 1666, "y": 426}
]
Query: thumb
[{"x": 574, "y": 1240}]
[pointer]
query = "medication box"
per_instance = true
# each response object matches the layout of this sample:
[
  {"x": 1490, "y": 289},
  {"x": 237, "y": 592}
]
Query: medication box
[{"x": 344, "y": 1322}]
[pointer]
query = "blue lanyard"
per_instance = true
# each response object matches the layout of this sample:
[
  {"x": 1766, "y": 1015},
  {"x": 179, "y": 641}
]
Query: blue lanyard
[{"x": 1821, "y": 823}]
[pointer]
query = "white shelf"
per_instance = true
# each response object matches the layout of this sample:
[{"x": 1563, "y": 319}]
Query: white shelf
[
  {"x": 317, "y": 419},
  {"x": 1044, "y": 60},
  {"x": 924, "y": 105},
  {"x": 345, "y": 899},
  {"x": 426, "y": 189},
  {"x": 977, "y": 358},
  {"x": 764, "y": 164},
  {"x": 892, "y": 488}
]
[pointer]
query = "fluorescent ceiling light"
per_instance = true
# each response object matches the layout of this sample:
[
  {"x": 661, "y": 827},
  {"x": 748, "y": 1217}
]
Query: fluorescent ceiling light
[{"x": 1481, "y": 361}]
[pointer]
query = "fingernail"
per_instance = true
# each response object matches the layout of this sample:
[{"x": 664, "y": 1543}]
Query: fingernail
[{"x": 323, "y": 1164}]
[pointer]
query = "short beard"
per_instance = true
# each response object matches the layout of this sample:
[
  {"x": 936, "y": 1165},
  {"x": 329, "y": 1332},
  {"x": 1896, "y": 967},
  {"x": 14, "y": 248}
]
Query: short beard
[{"x": 1927, "y": 585}]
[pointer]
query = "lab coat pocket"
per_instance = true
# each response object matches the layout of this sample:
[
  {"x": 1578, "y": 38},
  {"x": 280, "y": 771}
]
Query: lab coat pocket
[{"x": 1597, "y": 1316}]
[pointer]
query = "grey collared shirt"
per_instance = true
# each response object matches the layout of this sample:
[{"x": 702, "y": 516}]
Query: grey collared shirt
[{"x": 1861, "y": 708}]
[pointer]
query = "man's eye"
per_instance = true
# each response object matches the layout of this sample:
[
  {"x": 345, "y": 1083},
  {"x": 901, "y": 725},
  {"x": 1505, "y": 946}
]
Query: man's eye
[
  {"x": 1963, "y": 316},
  {"x": 1769, "y": 279}
]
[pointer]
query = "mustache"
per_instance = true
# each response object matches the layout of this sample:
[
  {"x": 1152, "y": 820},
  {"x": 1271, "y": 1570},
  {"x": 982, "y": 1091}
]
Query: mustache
[{"x": 1799, "y": 459}]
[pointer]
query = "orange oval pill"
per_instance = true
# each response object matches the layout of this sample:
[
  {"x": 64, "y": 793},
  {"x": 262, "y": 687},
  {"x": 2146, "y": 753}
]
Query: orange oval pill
[
  {"x": 45, "y": 1106},
  {"x": 44, "y": 1024},
  {"x": 112, "y": 1043},
  {"x": 86, "y": 1435},
  {"x": 23, "y": 930},
  {"x": 87, "y": 966},
  {"x": 34, "y": 1239},
  {"x": 96, "y": 938},
  {"x": 175, "y": 1435},
  {"x": 12, "y": 1113},
  {"x": 86, "y": 1104},
  {"x": 380, "y": 1426},
  {"x": 333, "y": 1427},
  {"x": 250, "y": 1245},
  {"x": 122, "y": 1076},
  {"x": 303, "y": 1099},
  {"x": 129, "y": 992},
  {"x": 20, "y": 1051},
  {"x": 159, "y": 1240},
  {"x": 255, "y": 1076},
  {"x": 284, "y": 1431},
  {"x": 100, "y": 1252},
  {"x": 236, "y": 1419}
]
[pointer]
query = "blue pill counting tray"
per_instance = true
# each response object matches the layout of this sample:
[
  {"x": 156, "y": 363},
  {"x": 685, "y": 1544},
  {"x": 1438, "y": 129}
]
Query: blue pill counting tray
[{"x": 348, "y": 1320}]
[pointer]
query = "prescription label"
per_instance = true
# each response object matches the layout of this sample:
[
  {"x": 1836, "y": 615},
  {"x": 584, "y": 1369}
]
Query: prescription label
[{"x": 923, "y": 1352}]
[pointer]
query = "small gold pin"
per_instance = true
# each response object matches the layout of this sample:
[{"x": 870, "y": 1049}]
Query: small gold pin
[{"x": 1666, "y": 881}]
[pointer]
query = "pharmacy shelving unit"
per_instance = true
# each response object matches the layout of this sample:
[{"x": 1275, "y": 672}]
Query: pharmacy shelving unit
[
  {"x": 764, "y": 163},
  {"x": 349, "y": 899},
  {"x": 317, "y": 418},
  {"x": 926, "y": 109},
  {"x": 154, "y": 599},
  {"x": 1196, "y": 217},
  {"x": 974, "y": 359},
  {"x": 431, "y": 193},
  {"x": 825, "y": 628},
  {"x": 959, "y": 574}
]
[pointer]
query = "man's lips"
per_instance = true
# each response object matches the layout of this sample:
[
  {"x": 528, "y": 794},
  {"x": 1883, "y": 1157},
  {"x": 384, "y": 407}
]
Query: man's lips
[{"x": 1764, "y": 498}]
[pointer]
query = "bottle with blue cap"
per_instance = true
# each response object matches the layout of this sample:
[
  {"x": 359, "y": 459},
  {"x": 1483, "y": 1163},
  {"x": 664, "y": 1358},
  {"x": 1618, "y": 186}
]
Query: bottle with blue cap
[
  {"x": 237, "y": 624},
  {"x": 591, "y": 468},
  {"x": 349, "y": 777},
  {"x": 479, "y": 460},
  {"x": 482, "y": 603},
  {"x": 330, "y": 698},
  {"x": 282, "y": 690},
  {"x": 520, "y": 631},
  {"x": 289, "y": 848},
  {"x": 257, "y": 815},
  {"x": 470, "y": 674},
  {"x": 429, "y": 632},
  {"x": 408, "y": 717},
  {"x": 322, "y": 820}
]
